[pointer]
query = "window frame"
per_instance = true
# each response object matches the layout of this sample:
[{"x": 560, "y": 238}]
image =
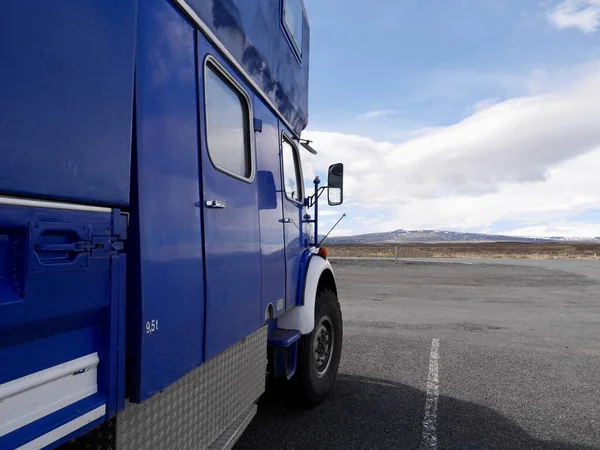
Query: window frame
[
  {"x": 296, "y": 47},
  {"x": 298, "y": 166},
  {"x": 212, "y": 64}
]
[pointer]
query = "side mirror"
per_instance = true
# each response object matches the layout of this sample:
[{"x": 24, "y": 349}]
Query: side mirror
[{"x": 335, "y": 184}]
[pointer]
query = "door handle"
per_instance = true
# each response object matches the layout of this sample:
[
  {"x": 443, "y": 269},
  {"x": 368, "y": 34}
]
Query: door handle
[
  {"x": 286, "y": 220},
  {"x": 215, "y": 204}
]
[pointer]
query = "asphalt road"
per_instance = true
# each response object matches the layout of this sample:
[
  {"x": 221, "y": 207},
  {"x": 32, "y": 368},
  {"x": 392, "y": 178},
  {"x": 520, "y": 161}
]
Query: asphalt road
[{"x": 518, "y": 367}]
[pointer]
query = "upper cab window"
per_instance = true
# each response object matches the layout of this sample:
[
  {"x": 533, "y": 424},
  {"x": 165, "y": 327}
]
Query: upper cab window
[
  {"x": 292, "y": 172},
  {"x": 293, "y": 19}
]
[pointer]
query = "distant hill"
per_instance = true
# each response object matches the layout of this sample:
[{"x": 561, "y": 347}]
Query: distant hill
[{"x": 438, "y": 236}]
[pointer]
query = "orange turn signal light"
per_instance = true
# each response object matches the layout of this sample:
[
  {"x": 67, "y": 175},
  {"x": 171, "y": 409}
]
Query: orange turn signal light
[{"x": 322, "y": 252}]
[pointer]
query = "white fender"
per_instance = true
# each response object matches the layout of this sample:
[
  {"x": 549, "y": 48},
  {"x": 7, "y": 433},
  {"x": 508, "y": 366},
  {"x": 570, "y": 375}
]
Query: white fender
[{"x": 302, "y": 317}]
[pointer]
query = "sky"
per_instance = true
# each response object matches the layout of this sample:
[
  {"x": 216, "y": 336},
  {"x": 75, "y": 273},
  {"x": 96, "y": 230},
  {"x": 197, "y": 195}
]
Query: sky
[{"x": 469, "y": 115}]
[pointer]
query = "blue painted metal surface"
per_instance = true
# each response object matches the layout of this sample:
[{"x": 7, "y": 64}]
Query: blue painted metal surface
[
  {"x": 285, "y": 360},
  {"x": 284, "y": 348},
  {"x": 303, "y": 262},
  {"x": 116, "y": 349},
  {"x": 66, "y": 97},
  {"x": 270, "y": 210},
  {"x": 165, "y": 272},
  {"x": 232, "y": 242},
  {"x": 51, "y": 313},
  {"x": 253, "y": 32}
]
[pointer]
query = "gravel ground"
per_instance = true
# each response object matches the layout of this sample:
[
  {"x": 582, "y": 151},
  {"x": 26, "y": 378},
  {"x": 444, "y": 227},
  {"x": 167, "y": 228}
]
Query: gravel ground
[{"x": 519, "y": 366}]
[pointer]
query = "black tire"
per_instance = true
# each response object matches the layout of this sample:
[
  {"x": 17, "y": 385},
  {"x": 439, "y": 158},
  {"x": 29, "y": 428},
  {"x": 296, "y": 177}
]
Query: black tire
[{"x": 314, "y": 376}]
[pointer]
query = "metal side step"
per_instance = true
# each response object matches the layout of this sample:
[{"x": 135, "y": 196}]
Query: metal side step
[
  {"x": 282, "y": 338},
  {"x": 283, "y": 350},
  {"x": 231, "y": 435}
]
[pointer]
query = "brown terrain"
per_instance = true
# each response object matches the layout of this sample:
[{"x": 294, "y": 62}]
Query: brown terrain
[{"x": 509, "y": 250}]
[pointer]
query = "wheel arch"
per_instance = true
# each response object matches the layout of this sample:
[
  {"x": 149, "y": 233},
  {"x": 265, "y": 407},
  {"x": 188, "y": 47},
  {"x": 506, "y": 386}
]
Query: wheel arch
[
  {"x": 318, "y": 275},
  {"x": 327, "y": 281}
]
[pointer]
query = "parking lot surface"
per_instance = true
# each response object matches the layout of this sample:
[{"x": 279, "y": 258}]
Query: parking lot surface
[{"x": 492, "y": 354}]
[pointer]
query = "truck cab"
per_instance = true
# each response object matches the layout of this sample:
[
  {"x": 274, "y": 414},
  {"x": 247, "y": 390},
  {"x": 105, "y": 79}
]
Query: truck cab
[{"x": 157, "y": 259}]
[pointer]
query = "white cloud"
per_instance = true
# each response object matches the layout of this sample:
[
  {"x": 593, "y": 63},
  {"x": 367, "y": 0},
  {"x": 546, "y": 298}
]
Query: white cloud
[
  {"x": 328, "y": 213},
  {"x": 562, "y": 228},
  {"x": 484, "y": 104},
  {"x": 532, "y": 159},
  {"x": 582, "y": 14},
  {"x": 367, "y": 220},
  {"x": 376, "y": 114},
  {"x": 340, "y": 232}
]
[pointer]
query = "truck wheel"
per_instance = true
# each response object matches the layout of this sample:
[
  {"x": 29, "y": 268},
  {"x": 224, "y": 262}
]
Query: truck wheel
[{"x": 319, "y": 352}]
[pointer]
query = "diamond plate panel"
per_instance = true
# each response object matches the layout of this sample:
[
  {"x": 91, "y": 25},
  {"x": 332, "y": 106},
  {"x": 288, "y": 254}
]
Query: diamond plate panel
[
  {"x": 194, "y": 411},
  {"x": 228, "y": 439}
]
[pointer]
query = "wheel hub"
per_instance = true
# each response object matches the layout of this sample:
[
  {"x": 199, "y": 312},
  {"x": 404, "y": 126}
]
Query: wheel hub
[{"x": 323, "y": 345}]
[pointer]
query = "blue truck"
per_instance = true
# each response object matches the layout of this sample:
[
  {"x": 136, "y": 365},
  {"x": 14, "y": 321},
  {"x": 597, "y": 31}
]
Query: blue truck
[{"x": 158, "y": 262}]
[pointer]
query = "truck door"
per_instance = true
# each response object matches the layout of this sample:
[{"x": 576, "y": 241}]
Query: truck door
[
  {"x": 293, "y": 199},
  {"x": 230, "y": 203}
]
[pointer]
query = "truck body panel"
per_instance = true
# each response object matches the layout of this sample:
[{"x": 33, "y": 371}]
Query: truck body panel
[
  {"x": 253, "y": 34},
  {"x": 166, "y": 280},
  {"x": 61, "y": 313},
  {"x": 66, "y": 91},
  {"x": 270, "y": 212},
  {"x": 231, "y": 234}
]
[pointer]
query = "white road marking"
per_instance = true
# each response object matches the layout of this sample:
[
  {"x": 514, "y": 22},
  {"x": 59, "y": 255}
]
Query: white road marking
[{"x": 429, "y": 437}]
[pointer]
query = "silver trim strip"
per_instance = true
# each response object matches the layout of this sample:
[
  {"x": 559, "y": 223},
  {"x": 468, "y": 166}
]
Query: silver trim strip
[
  {"x": 14, "y": 201},
  {"x": 187, "y": 9},
  {"x": 28, "y": 382},
  {"x": 31, "y": 397},
  {"x": 60, "y": 432}
]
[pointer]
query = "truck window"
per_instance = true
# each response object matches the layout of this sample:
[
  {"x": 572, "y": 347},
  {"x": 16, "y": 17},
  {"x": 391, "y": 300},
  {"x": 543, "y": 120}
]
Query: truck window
[
  {"x": 227, "y": 124},
  {"x": 293, "y": 16},
  {"x": 292, "y": 172}
]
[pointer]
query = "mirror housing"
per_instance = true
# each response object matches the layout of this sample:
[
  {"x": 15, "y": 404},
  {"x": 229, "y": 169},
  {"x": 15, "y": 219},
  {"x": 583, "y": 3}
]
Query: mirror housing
[{"x": 335, "y": 184}]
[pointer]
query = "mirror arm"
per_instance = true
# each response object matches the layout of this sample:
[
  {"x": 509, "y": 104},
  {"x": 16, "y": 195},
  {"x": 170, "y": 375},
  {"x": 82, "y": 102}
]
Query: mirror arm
[
  {"x": 322, "y": 189},
  {"x": 310, "y": 201}
]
